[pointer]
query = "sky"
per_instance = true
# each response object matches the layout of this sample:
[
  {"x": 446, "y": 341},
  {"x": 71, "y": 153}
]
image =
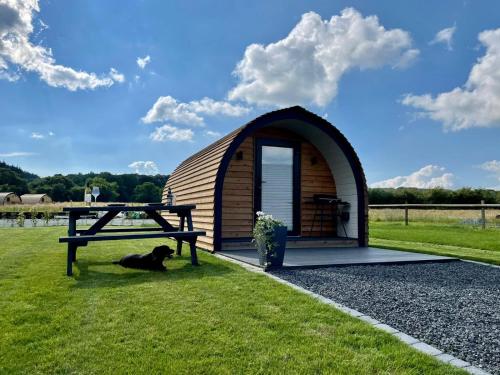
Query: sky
[{"x": 138, "y": 86}]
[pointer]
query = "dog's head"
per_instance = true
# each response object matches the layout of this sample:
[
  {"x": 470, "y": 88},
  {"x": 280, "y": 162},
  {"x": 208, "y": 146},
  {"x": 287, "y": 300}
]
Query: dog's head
[{"x": 162, "y": 252}]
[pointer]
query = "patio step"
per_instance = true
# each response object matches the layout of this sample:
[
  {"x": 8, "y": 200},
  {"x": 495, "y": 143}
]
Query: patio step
[
  {"x": 334, "y": 242},
  {"x": 294, "y": 243}
]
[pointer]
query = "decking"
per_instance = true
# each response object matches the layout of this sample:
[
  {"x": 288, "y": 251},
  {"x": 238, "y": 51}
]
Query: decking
[
  {"x": 295, "y": 242},
  {"x": 340, "y": 256}
]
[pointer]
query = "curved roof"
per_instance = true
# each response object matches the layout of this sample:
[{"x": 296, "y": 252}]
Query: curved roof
[
  {"x": 32, "y": 198},
  {"x": 203, "y": 172},
  {"x": 225, "y": 142},
  {"x": 215, "y": 150},
  {"x": 4, "y": 195}
]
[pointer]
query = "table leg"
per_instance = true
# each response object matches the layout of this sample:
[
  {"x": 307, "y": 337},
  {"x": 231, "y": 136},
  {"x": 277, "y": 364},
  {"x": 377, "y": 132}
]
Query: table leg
[
  {"x": 192, "y": 248},
  {"x": 101, "y": 223},
  {"x": 189, "y": 221},
  {"x": 321, "y": 222},
  {"x": 192, "y": 242},
  {"x": 179, "y": 241},
  {"x": 71, "y": 246},
  {"x": 167, "y": 227},
  {"x": 69, "y": 262},
  {"x": 314, "y": 219}
]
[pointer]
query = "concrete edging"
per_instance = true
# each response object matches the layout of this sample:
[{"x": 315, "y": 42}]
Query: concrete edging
[
  {"x": 480, "y": 263},
  {"x": 407, "y": 339}
]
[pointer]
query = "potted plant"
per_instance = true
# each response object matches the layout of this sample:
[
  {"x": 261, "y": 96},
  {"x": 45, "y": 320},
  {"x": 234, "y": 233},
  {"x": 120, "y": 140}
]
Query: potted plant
[{"x": 270, "y": 239}]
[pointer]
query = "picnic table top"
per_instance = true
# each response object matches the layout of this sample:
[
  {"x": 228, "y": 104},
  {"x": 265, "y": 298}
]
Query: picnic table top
[{"x": 152, "y": 207}]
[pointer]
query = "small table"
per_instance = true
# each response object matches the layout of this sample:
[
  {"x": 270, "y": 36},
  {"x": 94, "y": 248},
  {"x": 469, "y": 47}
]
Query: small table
[
  {"x": 81, "y": 237},
  {"x": 335, "y": 210}
]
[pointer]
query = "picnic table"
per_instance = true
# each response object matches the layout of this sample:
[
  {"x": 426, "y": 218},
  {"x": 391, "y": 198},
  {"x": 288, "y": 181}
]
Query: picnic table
[{"x": 81, "y": 237}]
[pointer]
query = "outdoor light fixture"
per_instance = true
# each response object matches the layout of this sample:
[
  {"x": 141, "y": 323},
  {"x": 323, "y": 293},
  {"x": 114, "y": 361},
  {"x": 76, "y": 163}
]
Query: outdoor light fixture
[{"x": 239, "y": 155}]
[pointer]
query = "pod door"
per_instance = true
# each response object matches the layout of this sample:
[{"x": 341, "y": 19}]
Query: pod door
[{"x": 277, "y": 181}]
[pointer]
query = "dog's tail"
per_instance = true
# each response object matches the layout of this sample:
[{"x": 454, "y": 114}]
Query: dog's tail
[{"x": 116, "y": 262}]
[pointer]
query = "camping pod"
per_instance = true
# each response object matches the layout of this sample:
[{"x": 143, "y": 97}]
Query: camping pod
[
  {"x": 35, "y": 199},
  {"x": 289, "y": 163},
  {"x": 9, "y": 198}
]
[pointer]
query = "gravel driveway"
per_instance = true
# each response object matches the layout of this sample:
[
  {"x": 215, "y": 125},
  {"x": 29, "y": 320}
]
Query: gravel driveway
[{"x": 452, "y": 306}]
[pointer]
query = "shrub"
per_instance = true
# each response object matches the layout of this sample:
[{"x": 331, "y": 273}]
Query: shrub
[
  {"x": 263, "y": 233},
  {"x": 20, "y": 219}
]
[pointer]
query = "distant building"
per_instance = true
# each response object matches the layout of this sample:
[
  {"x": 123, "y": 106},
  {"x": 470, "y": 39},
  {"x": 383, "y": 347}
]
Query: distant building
[
  {"x": 9, "y": 198},
  {"x": 35, "y": 198}
]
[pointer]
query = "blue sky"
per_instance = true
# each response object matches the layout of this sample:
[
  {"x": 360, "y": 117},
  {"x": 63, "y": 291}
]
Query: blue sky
[{"x": 75, "y": 97}]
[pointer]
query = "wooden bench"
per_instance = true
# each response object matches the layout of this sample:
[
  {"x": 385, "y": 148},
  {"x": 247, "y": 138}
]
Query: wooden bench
[
  {"x": 188, "y": 236},
  {"x": 81, "y": 237}
]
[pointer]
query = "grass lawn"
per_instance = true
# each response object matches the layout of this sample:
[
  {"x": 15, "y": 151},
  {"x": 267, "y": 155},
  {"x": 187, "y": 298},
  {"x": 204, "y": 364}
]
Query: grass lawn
[
  {"x": 215, "y": 318},
  {"x": 460, "y": 241}
]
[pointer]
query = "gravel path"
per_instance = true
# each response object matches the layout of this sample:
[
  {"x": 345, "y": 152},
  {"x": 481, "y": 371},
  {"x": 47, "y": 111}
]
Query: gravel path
[{"x": 452, "y": 306}]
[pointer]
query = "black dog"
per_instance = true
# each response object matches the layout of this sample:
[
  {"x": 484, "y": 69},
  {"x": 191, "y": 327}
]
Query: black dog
[{"x": 152, "y": 261}]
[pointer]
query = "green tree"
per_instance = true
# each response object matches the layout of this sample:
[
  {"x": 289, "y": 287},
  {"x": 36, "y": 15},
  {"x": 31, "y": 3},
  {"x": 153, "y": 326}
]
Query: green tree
[
  {"x": 21, "y": 173},
  {"x": 126, "y": 186},
  {"x": 72, "y": 186},
  {"x": 12, "y": 181},
  {"x": 147, "y": 193},
  {"x": 58, "y": 187},
  {"x": 77, "y": 193},
  {"x": 108, "y": 190}
]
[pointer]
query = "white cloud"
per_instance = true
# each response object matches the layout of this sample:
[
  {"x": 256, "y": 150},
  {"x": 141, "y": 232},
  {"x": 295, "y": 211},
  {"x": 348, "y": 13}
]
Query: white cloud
[
  {"x": 36, "y": 135},
  {"x": 143, "y": 61},
  {"x": 6, "y": 75},
  {"x": 16, "y": 154},
  {"x": 168, "y": 108},
  {"x": 17, "y": 51},
  {"x": 171, "y": 133},
  {"x": 211, "y": 133},
  {"x": 118, "y": 77},
  {"x": 144, "y": 167},
  {"x": 477, "y": 103},
  {"x": 492, "y": 166},
  {"x": 445, "y": 36},
  {"x": 429, "y": 176},
  {"x": 210, "y": 107},
  {"x": 307, "y": 65}
]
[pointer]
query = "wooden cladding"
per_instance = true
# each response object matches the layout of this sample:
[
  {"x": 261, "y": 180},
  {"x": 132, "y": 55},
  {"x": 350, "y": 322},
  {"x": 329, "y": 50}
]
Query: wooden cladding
[
  {"x": 315, "y": 178},
  {"x": 238, "y": 191},
  {"x": 193, "y": 182}
]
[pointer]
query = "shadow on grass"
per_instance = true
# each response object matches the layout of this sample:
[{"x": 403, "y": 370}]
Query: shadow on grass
[{"x": 104, "y": 274}]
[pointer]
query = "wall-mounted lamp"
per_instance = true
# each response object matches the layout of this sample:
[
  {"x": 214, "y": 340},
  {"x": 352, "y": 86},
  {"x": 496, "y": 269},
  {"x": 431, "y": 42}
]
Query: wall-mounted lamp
[
  {"x": 314, "y": 160},
  {"x": 239, "y": 155}
]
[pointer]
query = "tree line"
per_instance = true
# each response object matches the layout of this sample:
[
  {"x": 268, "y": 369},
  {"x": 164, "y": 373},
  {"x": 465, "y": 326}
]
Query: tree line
[
  {"x": 128, "y": 187},
  {"x": 133, "y": 187},
  {"x": 432, "y": 196}
]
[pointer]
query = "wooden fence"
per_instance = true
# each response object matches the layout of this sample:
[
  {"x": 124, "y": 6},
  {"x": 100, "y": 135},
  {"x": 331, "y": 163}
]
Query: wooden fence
[{"x": 407, "y": 206}]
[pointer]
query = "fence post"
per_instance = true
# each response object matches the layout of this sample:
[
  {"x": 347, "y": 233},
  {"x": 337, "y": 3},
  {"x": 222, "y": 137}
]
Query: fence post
[
  {"x": 483, "y": 215},
  {"x": 406, "y": 213}
]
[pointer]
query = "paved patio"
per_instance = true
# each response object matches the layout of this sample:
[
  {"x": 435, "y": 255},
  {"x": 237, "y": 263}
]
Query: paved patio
[{"x": 340, "y": 256}]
